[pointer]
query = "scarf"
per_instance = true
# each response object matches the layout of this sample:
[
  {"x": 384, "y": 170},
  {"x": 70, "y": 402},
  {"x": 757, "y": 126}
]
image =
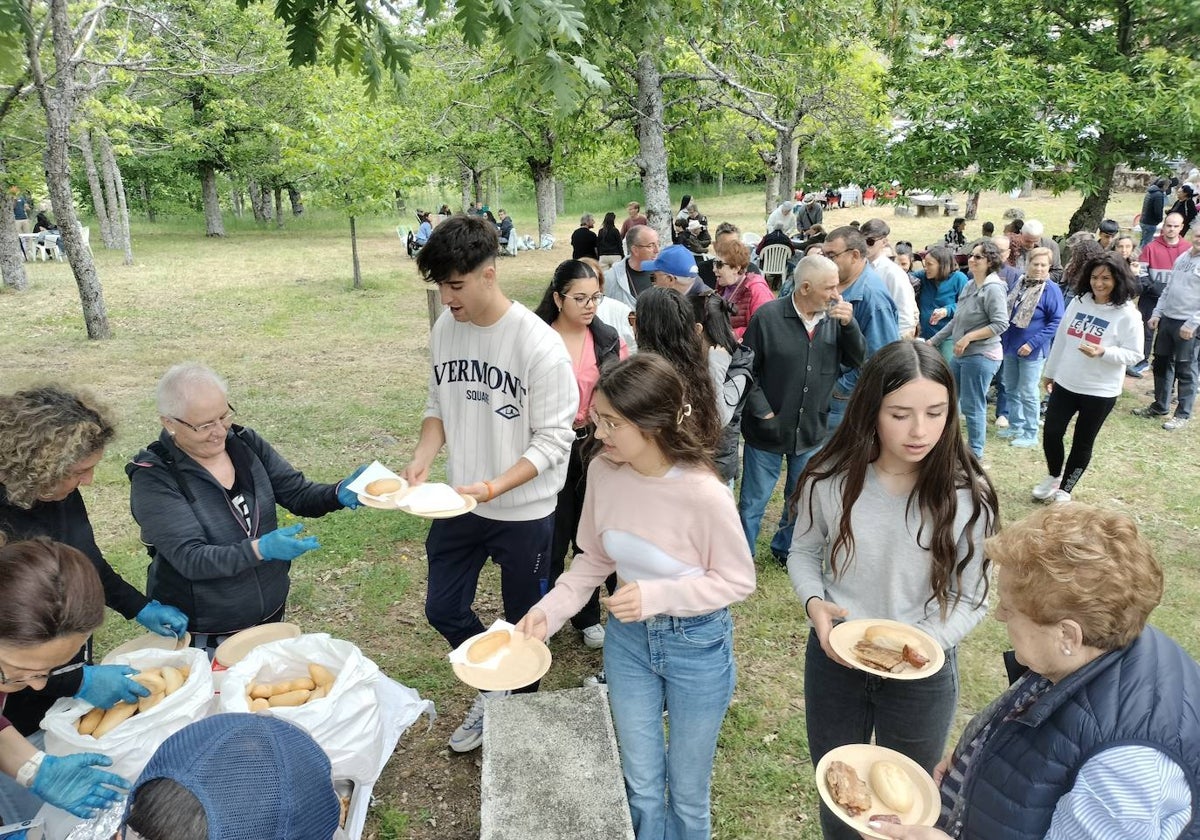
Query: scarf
[{"x": 1025, "y": 296}]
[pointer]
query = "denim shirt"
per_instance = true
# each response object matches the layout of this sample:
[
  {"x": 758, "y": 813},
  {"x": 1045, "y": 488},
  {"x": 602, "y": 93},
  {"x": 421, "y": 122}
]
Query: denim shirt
[{"x": 875, "y": 313}]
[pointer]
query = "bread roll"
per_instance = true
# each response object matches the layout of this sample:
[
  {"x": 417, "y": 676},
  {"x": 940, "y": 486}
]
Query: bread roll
[
  {"x": 151, "y": 679},
  {"x": 483, "y": 649},
  {"x": 321, "y": 675},
  {"x": 88, "y": 723},
  {"x": 892, "y": 638},
  {"x": 114, "y": 717},
  {"x": 291, "y": 698},
  {"x": 383, "y": 486},
  {"x": 145, "y": 704},
  {"x": 259, "y": 704},
  {"x": 173, "y": 679},
  {"x": 892, "y": 785}
]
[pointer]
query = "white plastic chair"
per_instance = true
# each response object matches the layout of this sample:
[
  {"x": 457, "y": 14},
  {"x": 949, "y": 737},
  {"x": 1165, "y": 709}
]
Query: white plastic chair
[
  {"x": 510, "y": 248},
  {"x": 47, "y": 249},
  {"x": 85, "y": 236},
  {"x": 773, "y": 259}
]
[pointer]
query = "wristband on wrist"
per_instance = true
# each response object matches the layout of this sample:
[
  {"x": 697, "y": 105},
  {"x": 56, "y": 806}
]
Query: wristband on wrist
[
  {"x": 491, "y": 491},
  {"x": 29, "y": 769},
  {"x": 806, "y": 603}
]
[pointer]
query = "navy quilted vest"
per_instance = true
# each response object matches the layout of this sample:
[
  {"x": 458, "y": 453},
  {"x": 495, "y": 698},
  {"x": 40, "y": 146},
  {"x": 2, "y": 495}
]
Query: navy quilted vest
[{"x": 1147, "y": 693}]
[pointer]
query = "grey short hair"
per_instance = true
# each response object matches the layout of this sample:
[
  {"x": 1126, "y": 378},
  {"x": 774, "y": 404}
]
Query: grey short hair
[
  {"x": 813, "y": 266},
  {"x": 632, "y": 234},
  {"x": 177, "y": 384},
  {"x": 1033, "y": 228},
  {"x": 587, "y": 219}
]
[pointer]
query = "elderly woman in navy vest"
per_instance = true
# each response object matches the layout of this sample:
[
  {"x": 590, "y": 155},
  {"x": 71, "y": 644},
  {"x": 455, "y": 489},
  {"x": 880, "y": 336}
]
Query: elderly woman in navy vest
[{"x": 1100, "y": 736}]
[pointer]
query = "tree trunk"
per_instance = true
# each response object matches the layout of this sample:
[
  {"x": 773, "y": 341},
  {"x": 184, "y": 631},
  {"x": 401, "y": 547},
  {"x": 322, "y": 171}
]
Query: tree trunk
[
  {"x": 258, "y": 202},
  {"x": 58, "y": 101},
  {"x": 791, "y": 164},
  {"x": 477, "y": 185},
  {"x": 237, "y": 200},
  {"x": 560, "y": 198},
  {"x": 296, "y": 199},
  {"x": 972, "y": 206},
  {"x": 652, "y": 148},
  {"x": 122, "y": 209},
  {"x": 543, "y": 190},
  {"x": 144, "y": 187},
  {"x": 214, "y": 225},
  {"x": 721, "y": 182},
  {"x": 466, "y": 180},
  {"x": 99, "y": 205},
  {"x": 278, "y": 207},
  {"x": 108, "y": 180},
  {"x": 1091, "y": 210},
  {"x": 354, "y": 254},
  {"x": 12, "y": 265}
]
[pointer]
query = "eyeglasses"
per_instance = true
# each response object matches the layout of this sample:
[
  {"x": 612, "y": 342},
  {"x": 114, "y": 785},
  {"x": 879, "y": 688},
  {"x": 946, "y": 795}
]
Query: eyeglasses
[
  {"x": 652, "y": 245},
  {"x": 584, "y": 300},
  {"x": 975, "y": 256},
  {"x": 830, "y": 256},
  {"x": 604, "y": 423},
  {"x": 204, "y": 428},
  {"x": 22, "y": 680}
]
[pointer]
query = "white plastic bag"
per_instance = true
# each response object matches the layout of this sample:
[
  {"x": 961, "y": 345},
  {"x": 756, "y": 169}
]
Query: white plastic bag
[
  {"x": 131, "y": 744},
  {"x": 347, "y": 723}
]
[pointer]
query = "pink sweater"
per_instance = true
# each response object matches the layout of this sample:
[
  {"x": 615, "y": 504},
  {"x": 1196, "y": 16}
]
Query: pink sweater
[{"x": 691, "y": 516}]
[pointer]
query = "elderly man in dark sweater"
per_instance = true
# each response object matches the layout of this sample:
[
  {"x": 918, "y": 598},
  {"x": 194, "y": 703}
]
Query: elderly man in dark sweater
[{"x": 800, "y": 344}]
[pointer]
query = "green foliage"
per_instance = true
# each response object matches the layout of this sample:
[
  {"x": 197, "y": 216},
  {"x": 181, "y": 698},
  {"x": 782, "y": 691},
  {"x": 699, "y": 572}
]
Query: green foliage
[{"x": 13, "y": 26}]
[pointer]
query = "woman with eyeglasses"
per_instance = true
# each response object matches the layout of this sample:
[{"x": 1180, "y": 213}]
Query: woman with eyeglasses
[
  {"x": 661, "y": 520},
  {"x": 745, "y": 291},
  {"x": 53, "y": 600},
  {"x": 51, "y": 440},
  {"x": 204, "y": 495},
  {"x": 569, "y": 307},
  {"x": 980, "y": 317},
  {"x": 939, "y": 283}
]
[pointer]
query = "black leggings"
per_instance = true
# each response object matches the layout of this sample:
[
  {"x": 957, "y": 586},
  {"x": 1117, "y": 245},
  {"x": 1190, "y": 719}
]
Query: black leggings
[{"x": 1092, "y": 411}]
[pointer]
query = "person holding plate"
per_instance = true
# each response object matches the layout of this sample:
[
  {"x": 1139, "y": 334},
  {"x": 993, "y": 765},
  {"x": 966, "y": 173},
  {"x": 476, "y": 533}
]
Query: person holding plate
[
  {"x": 502, "y": 399},
  {"x": 205, "y": 496},
  {"x": 657, "y": 515},
  {"x": 891, "y": 517},
  {"x": 1099, "y": 734}
]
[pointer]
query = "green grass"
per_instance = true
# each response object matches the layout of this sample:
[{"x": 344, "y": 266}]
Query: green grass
[{"x": 335, "y": 378}]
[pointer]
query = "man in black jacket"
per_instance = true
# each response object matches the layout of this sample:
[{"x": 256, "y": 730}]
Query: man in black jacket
[
  {"x": 1153, "y": 206},
  {"x": 800, "y": 343}
]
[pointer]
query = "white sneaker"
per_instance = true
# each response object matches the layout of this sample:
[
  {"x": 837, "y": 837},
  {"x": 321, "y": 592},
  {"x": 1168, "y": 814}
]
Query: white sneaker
[
  {"x": 1047, "y": 488},
  {"x": 1001, "y": 422},
  {"x": 595, "y": 680},
  {"x": 593, "y": 637},
  {"x": 1058, "y": 497},
  {"x": 469, "y": 735}
]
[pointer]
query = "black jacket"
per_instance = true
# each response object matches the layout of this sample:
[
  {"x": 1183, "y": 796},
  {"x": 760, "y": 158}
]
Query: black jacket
[
  {"x": 794, "y": 376},
  {"x": 1152, "y": 206},
  {"x": 66, "y": 522},
  {"x": 740, "y": 365},
  {"x": 203, "y": 560}
]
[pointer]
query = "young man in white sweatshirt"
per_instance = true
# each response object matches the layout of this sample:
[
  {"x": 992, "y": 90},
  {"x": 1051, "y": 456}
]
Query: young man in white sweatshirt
[{"x": 502, "y": 399}]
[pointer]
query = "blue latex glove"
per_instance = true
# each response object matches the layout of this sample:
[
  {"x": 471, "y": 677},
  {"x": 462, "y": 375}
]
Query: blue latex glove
[
  {"x": 73, "y": 783},
  {"x": 162, "y": 619},
  {"x": 281, "y": 544},
  {"x": 105, "y": 685},
  {"x": 348, "y": 498}
]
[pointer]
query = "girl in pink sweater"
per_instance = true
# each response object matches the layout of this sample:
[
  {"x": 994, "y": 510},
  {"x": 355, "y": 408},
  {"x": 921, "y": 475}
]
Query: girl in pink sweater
[{"x": 657, "y": 514}]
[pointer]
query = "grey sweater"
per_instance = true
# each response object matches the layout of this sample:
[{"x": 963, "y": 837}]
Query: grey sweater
[
  {"x": 978, "y": 306},
  {"x": 1181, "y": 298},
  {"x": 889, "y": 574}
]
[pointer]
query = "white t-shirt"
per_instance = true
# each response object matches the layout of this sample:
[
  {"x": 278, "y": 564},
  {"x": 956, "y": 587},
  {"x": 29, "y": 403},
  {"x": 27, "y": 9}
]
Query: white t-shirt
[
  {"x": 900, "y": 289},
  {"x": 504, "y": 392}
]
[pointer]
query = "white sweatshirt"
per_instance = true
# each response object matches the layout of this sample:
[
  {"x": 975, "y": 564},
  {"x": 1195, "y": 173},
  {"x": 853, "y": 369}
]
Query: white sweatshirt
[
  {"x": 1118, "y": 329},
  {"x": 503, "y": 393}
]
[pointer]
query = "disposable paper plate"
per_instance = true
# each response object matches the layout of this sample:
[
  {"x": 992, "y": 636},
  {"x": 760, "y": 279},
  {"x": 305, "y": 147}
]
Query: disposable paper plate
[
  {"x": 927, "y": 802},
  {"x": 148, "y": 641},
  {"x": 527, "y": 661},
  {"x": 843, "y": 637},
  {"x": 231, "y": 651}
]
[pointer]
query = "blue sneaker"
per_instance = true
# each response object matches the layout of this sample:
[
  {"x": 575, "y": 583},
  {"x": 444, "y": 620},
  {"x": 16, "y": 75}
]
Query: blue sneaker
[{"x": 1025, "y": 442}]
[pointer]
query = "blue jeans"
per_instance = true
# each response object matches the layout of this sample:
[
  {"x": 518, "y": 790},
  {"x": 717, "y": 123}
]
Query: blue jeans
[
  {"x": 845, "y": 706},
  {"x": 1022, "y": 381},
  {"x": 760, "y": 474},
  {"x": 973, "y": 374},
  {"x": 837, "y": 410},
  {"x": 1148, "y": 232},
  {"x": 688, "y": 662},
  {"x": 1001, "y": 392}
]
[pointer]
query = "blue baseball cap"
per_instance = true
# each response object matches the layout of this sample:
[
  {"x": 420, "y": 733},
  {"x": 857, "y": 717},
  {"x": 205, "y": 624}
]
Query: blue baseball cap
[{"x": 675, "y": 260}]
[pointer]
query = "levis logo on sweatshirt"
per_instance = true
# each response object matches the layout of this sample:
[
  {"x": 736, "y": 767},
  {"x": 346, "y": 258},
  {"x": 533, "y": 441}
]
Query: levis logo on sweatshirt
[{"x": 1089, "y": 328}]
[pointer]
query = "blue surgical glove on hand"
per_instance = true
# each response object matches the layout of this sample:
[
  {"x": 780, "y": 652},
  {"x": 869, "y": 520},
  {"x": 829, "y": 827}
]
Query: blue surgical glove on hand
[
  {"x": 281, "y": 544},
  {"x": 348, "y": 498},
  {"x": 73, "y": 783},
  {"x": 105, "y": 685},
  {"x": 162, "y": 619}
]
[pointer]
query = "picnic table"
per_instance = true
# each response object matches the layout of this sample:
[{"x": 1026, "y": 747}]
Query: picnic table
[
  {"x": 28, "y": 240},
  {"x": 926, "y": 205}
]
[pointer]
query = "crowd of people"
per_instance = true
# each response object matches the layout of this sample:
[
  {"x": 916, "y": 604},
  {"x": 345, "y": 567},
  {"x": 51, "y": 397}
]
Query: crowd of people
[{"x": 619, "y": 405}]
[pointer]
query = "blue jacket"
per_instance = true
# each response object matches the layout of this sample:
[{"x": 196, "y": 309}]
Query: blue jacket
[
  {"x": 875, "y": 313},
  {"x": 1145, "y": 694},
  {"x": 931, "y": 296},
  {"x": 1041, "y": 326}
]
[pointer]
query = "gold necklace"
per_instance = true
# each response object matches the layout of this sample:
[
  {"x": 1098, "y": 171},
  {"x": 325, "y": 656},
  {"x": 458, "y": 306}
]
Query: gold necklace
[{"x": 889, "y": 472}]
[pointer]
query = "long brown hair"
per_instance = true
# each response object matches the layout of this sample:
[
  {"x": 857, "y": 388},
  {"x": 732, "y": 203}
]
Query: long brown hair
[
  {"x": 947, "y": 468},
  {"x": 646, "y": 390},
  {"x": 50, "y": 590}
]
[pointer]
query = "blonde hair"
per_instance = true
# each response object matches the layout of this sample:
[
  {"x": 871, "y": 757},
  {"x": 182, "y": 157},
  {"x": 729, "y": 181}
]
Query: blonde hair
[
  {"x": 44, "y": 432},
  {"x": 1040, "y": 252},
  {"x": 1084, "y": 563}
]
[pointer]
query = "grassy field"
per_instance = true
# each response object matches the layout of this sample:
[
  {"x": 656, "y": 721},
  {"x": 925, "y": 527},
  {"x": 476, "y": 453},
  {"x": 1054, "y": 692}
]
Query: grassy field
[{"x": 335, "y": 378}]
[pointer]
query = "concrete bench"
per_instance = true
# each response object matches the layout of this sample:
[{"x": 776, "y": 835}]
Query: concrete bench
[
  {"x": 551, "y": 768},
  {"x": 926, "y": 205}
]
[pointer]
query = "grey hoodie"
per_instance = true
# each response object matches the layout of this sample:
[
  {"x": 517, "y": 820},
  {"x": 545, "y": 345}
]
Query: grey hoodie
[{"x": 978, "y": 306}]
